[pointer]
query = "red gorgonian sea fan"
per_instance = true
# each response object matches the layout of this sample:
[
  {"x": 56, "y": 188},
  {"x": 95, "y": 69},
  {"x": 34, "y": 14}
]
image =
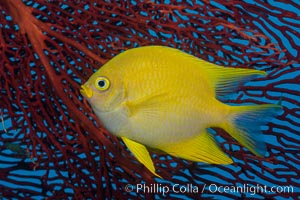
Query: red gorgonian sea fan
[{"x": 53, "y": 146}]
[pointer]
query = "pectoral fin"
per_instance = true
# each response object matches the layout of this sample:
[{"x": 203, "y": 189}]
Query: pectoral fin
[
  {"x": 141, "y": 153},
  {"x": 201, "y": 148},
  {"x": 149, "y": 105}
]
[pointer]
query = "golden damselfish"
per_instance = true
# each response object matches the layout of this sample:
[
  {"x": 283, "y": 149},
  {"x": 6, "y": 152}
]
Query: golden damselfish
[{"x": 166, "y": 99}]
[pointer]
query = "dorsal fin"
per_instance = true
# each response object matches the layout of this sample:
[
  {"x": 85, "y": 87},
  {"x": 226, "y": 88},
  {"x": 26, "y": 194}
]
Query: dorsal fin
[
  {"x": 227, "y": 79},
  {"x": 224, "y": 80}
]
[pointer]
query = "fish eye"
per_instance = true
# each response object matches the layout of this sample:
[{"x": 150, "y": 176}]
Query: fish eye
[{"x": 102, "y": 83}]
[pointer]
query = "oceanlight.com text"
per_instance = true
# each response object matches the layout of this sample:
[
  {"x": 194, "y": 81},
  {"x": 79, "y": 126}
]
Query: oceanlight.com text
[{"x": 158, "y": 188}]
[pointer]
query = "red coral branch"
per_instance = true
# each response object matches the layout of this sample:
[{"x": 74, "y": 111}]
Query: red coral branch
[{"x": 33, "y": 29}]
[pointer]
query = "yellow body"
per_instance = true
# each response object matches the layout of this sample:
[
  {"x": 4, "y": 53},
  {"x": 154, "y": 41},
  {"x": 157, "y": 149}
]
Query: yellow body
[{"x": 162, "y": 98}]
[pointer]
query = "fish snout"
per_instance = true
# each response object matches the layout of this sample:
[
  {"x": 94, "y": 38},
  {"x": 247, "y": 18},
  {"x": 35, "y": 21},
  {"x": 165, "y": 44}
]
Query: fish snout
[{"x": 86, "y": 91}]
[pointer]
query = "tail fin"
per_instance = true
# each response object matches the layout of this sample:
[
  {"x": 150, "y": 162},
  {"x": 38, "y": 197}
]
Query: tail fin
[{"x": 245, "y": 125}]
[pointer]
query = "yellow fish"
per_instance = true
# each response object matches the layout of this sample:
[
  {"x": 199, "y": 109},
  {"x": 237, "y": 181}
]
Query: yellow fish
[{"x": 163, "y": 98}]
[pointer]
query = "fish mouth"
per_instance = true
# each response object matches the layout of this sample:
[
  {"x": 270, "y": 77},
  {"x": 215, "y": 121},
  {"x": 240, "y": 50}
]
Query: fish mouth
[{"x": 86, "y": 91}]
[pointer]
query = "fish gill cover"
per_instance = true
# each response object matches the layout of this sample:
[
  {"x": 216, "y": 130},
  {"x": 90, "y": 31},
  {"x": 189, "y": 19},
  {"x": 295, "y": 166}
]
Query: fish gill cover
[{"x": 53, "y": 147}]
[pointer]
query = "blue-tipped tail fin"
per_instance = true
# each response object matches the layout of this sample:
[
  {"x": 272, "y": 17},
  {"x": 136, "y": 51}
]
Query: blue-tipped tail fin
[{"x": 244, "y": 124}]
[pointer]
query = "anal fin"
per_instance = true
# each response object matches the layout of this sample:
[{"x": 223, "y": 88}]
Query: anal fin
[
  {"x": 201, "y": 148},
  {"x": 141, "y": 153}
]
